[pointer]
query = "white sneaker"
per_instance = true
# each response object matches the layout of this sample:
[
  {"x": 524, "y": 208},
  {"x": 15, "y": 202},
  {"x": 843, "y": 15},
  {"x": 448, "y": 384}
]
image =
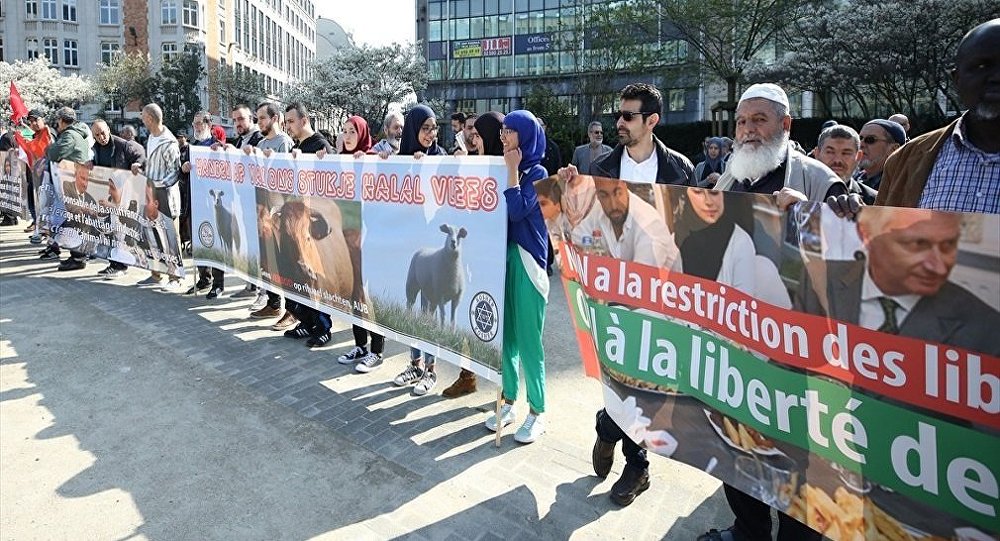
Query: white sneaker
[
  {"x": 411, "y": 375},
  {"x": 531, "y": 430},
  {"x": 352, "y": 356},
  {"x": 369, "y": 363},
  {"x": 507, "y": 417},
  {"x": 427, "y": 383},
  {"x": 259, "y": 302},
  {"x": 173, "y": 286}
]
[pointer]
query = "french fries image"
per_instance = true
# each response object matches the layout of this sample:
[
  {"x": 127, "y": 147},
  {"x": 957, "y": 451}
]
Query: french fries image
[{"x": 846, "y": 516}]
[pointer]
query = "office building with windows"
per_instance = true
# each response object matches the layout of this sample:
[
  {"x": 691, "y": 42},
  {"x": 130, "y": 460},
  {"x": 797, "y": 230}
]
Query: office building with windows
[
  {"x": 488, "y": 55},
  {"x": 273, "y": 39}
]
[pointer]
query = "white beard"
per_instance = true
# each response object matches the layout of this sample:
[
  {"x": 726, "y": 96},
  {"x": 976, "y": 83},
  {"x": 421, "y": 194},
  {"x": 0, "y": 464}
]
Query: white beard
[
  {"x": 988, "y": 111},
  {"x": 750, "y": 163}
]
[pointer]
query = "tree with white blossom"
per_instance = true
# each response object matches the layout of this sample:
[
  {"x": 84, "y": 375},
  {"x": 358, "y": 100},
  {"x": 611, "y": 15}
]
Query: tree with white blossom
[{"x": 42, "y": 87}]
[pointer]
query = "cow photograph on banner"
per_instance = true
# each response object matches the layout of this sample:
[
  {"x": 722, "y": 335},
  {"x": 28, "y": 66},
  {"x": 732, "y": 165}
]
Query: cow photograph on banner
[
  {"x": 14, "y": 185},
  {"x": 844, "y": 372},
  {"x": 407, "y": 248},
  {"x": 114, "y": 215}
]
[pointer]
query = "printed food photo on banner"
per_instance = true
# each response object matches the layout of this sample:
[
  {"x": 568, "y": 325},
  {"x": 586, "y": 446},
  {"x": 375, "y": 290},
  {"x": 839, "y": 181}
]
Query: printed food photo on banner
[{"x": 804, "y": 359}]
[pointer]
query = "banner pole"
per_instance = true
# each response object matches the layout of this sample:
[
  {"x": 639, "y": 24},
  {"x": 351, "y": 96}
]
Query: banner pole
[{"x": 499, "y": 421}]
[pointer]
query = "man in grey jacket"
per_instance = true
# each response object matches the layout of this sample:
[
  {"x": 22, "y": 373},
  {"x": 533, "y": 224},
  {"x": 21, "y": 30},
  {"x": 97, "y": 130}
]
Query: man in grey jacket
[
  {"x": 585, "y": 156},
  {"x": 73, "y": 144}
]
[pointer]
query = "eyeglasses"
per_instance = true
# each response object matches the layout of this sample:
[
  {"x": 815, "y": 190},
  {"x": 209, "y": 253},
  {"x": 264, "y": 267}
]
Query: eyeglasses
[
  {"x": 507, "y": 131},
  {"x": 629, "y": 115},
  {"x": 429, "y": 129},
  {"x": 871, "y": 139}
]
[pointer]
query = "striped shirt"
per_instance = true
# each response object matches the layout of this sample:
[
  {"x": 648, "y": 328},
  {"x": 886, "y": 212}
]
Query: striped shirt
[{"x": 964, "y": 178}]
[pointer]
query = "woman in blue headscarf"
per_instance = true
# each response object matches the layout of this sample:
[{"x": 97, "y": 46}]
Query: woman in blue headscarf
[{"x": 527, "y": 286}]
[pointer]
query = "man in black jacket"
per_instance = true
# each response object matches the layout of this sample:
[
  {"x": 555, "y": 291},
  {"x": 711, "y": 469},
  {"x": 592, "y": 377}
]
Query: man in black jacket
[
  {"x": 113, "y": 151},
  {"x": 639, "y": 157}
]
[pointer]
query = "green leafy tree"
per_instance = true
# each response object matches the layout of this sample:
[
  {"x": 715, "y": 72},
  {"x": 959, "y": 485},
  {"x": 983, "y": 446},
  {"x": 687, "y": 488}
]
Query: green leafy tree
[
  {"x": 234, "y": 86},
  {"x": 561, "y": 125},
  {"x": 129, "y": 78},
  {"x": 178, "y": 82}
]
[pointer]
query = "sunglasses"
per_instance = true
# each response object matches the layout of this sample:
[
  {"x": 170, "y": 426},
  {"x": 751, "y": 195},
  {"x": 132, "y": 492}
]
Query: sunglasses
[
  {"x": 629, "y": 115},
  {"x": 871, "y": 140}
]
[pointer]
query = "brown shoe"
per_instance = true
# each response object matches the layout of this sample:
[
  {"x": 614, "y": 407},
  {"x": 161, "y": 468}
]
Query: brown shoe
[
  {"x": 465, "y": 384},
  {"x": 266, "y": 312},
  {"x": 286, "y": 322}
]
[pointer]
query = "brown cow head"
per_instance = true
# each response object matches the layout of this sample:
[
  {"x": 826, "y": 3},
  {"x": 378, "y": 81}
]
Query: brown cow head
[{"x": 300, "y": 230}]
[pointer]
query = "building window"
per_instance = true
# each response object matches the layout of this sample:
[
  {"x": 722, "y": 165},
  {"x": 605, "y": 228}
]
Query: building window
[
  {"x": 168, "y": 51},
  {"x": 222, "y": 32},
  {"x": 69, "y": 10},
  {"x": 49, "y": 9},
  {"x": 675, "y": 100},
  {"x": 111, "y": 11},
  {"x": 109, "y": 51},
  {"x": 168, "y": 12},
  {"x": 674, "y": 51},
  {"x": 70, "y": 57},
  {"x": 191, "y": 13},
  {"x": 31, "y": 9},
  {"x": 32, "y": 47},
  {"x": 1, "y": 49},
  {"x": 50, "y": 49}
]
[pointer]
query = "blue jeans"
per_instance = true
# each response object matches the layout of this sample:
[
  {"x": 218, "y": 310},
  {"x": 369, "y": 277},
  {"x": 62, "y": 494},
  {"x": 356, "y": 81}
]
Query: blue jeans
[{"x": 428, "y": 358}]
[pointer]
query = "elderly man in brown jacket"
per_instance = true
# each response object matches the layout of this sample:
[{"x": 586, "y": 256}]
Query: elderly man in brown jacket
[{"x": 957, "y": 167}]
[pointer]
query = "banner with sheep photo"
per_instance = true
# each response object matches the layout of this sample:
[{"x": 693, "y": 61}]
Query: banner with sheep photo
[
  {"x": 114, "y": 215},
  {"x": 411, "y": 249}
]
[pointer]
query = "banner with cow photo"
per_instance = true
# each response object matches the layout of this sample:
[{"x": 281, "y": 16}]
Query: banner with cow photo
[
  {"x": 13, "y": 185},
  {"x": 114, "y": 215},
  {"x": 407, "y": 248},
  {"x": 844, "y": 372}
]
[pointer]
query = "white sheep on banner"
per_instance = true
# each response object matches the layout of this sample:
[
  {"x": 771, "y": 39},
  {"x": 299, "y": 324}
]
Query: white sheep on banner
[{"x": 438, "y": 275}]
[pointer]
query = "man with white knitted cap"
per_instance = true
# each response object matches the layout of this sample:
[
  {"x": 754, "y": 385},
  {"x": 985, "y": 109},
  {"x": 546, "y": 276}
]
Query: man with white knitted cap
[{"x": 764, "y": 162}]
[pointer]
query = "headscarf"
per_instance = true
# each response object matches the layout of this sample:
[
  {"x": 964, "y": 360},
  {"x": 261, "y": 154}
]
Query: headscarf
[
  {"x": 410, "y": 144},
  {"x": 364, "y": 138},
  {"x": 219, "y": 134},
  {"x": 703, "y": 245},
  {"x": 488, "y": 125},
  {"x": 530, "y": 137},
  {"x": 712, "y": 165}
]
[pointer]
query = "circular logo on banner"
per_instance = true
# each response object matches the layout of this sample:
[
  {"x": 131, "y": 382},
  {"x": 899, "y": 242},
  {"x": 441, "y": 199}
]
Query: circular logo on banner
[
  {"x": 483, "y": 316},
  {"x": 206, "y": 234}
]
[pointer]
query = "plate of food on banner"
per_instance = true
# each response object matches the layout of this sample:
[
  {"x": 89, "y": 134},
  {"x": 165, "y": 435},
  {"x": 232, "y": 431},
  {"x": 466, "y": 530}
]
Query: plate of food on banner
[
  {"x": 739, "y": 436},
  {"x": 850, "y": 517},
  {"x": 641, "y": 385}
]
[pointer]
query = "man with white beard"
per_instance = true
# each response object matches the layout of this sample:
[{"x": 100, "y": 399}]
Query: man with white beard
[
  {"x": 956, "y": 167},
  {"x": 764, "y": 162}
]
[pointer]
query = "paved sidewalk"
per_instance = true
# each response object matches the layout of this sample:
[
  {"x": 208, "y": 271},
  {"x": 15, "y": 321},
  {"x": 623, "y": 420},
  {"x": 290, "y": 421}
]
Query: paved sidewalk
[{"x": 126, "y": 413}]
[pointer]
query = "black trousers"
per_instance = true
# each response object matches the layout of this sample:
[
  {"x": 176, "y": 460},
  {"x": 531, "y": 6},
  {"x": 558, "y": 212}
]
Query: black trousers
[
  {"x": 217, "y": 277},
  {"x": 273, "y": 300},
  {"x": 361, "y": 335},
  {"x": 609, "y": 431},
  {"x": 753, "y": 520},
  {"x": 317, "y": 322}
]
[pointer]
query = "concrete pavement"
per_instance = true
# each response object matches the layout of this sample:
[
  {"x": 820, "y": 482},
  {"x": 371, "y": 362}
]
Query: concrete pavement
[{"x": 126, "y": 413}]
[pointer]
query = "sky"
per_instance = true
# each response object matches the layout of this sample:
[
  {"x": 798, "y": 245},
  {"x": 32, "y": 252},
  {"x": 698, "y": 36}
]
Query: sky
[{"x": 382, "y": 23}]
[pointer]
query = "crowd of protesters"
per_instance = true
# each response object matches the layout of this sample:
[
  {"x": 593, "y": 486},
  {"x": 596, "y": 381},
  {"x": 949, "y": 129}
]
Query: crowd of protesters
[{"x": 955, "y": 168}]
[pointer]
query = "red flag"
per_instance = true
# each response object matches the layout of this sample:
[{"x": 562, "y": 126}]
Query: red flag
[{"x": 17, "y": 105}]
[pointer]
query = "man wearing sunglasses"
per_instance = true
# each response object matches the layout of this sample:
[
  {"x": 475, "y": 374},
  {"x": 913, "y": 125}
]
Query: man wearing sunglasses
[
  {"x": 639, "y": 155},
  {"x": 879, "y": 139}
]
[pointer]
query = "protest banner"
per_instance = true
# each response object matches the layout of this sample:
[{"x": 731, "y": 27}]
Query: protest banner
[
  {"x": 407, "y": 248},
  {"x": 114, "y": 215},
  {"x": 13, "y": 185},
  {"x": 843, "y": 372}
]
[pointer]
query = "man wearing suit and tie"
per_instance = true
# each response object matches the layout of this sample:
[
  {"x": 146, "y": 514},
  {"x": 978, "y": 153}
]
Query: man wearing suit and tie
[
  {"x": 900, "y": 286},
  {"x": 159, "y": 238},
  {"x": 585, "y": 156}
]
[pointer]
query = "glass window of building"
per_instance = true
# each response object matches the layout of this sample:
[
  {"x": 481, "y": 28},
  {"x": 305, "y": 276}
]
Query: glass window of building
[
  {"x": 506, "y": 66},
  {"x": 69, "y": 10},
  {"x": 476, "y": 8},
  {"x": 536, "y": 5},
  {"x": 1, "y": 43},
  {"x": 520, "y": 6},
  {"x": 490, "y": 26},
  {"x": 168, "y": 12},
  {"x": 70, "y": 49},
  {"x": 504, "y": 26},
  {"x": 434, "y": 31},
  {"x": 31, "y": 10},
  {"x": 567, "y": 62},
  {"x": 491, "y": 67},
  {"x": 459, "y": 8},
  {"x": 49, "y": 9},
  {"x": 536, "y": 22},
  {"x": 491, "y": 7},
  {"x": 551, "y": 20},
  {"x": 436, "y": 70},
  {"x": 461, "y": 28},
  {"x": 521, "y": 24},
  {"x": 476, "y": 68},
  {"x": 50, "y": 49},
  {"x": 434, "y": 11},
  {"x": 550, "y": 63},
  {"x": 108, "y": 51},
  {"x": 675, "y": 99},
  {"x": 520, "y": 65},
  {"x": 168, "y": 51},
  {"x": 111, "y": 12},
  {"x": 477, "y": 28},
  {"x": 191, "y": 13},
  {"x": 32, "y": 48}
]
